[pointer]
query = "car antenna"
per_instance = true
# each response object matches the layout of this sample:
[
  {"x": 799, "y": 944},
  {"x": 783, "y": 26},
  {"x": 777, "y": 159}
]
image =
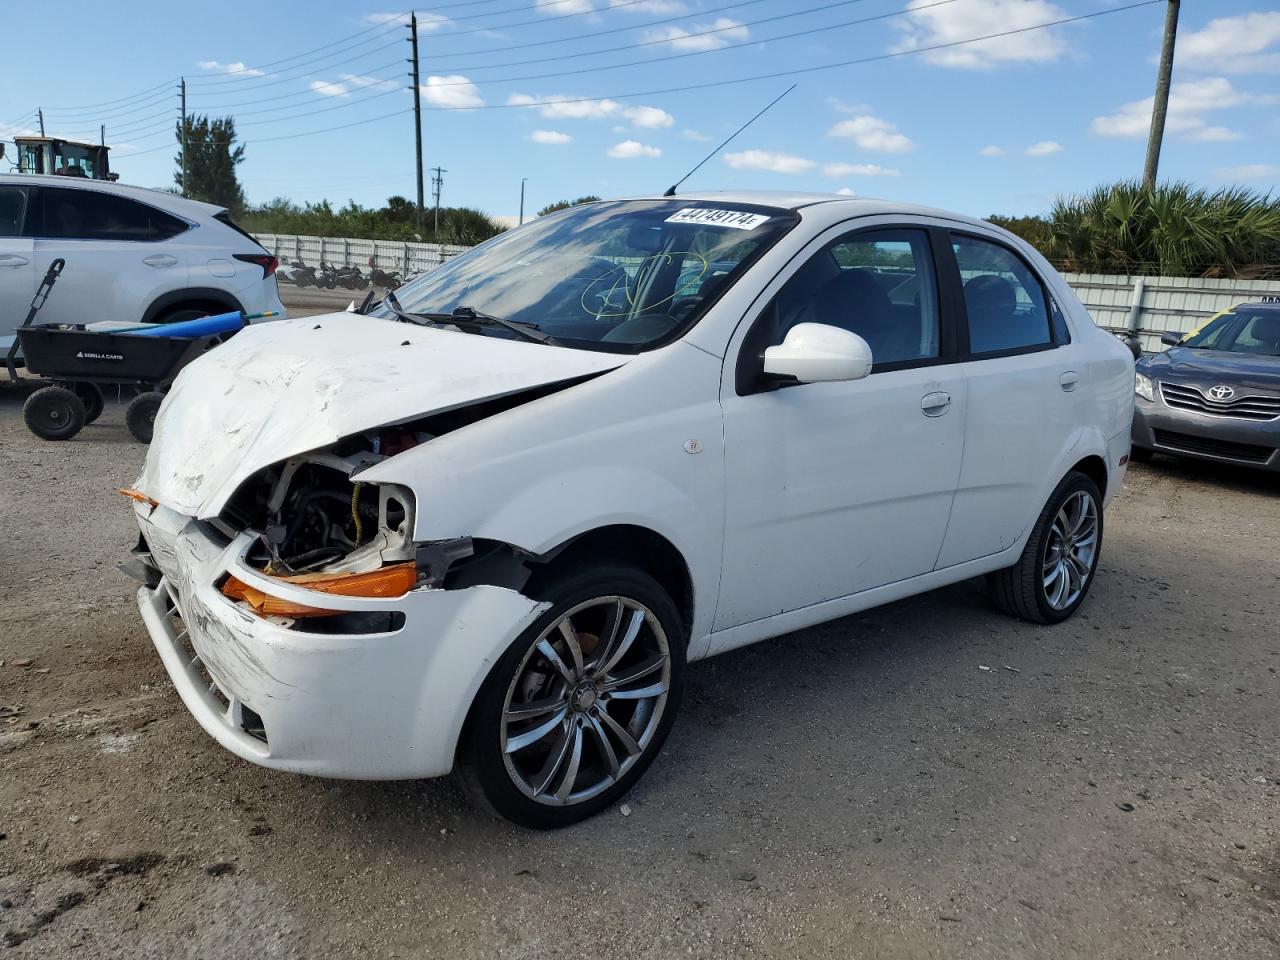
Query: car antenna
[{"x": 671, "y": 190}]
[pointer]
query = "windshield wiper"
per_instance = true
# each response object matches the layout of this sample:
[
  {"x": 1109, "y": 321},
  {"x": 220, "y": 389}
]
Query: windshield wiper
[
  {"x": 525, "y": 329},
  {"x": 467, "y": 315}
]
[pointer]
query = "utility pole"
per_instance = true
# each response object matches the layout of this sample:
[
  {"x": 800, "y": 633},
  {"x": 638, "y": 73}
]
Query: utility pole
[
  {"x": 417, "y": 109},
  {"x": 40, "y": 113},
  {"x": 102, "y": 134},
  {"x": 182, "y": 126},
  {"x": 437, "y": 181},
  {"x": 1160, "y": 108},
  {"x": 522, "y": 183}
]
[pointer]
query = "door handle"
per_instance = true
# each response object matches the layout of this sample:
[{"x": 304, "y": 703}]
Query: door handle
[
  {"x": 1069, "y": 380},
  {"x": 935, "y": 404},
  {"x": 159, "y": 260},
  {"x": 12, "y": 260}
]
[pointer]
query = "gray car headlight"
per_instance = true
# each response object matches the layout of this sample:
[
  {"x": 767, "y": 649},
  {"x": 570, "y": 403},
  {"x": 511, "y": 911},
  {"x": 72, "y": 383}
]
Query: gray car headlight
[{"x": 1144, "y": 387}]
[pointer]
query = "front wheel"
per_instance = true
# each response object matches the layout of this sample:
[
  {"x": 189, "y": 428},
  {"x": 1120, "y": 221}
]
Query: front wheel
[
  {"x": 1053, "y": 576},
  {"x": 580, "y": 704},
  {"x": 54, "y": 413}
]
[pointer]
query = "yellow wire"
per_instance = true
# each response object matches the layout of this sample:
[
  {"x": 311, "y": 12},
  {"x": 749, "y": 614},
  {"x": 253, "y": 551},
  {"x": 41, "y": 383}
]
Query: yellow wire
[{"x": 355, "y": 513}]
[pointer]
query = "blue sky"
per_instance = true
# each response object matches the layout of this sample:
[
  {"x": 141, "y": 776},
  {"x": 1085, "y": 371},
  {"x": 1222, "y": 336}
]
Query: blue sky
[{"x": 1000, "y": 126}]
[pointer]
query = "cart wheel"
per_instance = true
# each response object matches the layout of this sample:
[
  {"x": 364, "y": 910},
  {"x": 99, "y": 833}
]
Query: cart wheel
[
  {"x": 140, "y": 415},
  {"x": 54, "y": 413},
  {"x": 90, "y": 395}
]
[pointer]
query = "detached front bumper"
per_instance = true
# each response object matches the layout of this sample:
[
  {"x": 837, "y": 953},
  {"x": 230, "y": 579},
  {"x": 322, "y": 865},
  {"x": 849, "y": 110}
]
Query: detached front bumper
[
  {"x": 1221, "y": 439},
  {"x": 363, "y": 706}
]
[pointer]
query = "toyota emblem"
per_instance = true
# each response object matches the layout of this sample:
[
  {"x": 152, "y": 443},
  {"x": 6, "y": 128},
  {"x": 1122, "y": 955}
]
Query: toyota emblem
[{"x": 1221, "y": 393}]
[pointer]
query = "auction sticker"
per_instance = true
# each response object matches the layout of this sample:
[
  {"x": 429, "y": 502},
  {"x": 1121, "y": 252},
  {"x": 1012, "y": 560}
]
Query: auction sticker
[{"x": 737, "y": 219}]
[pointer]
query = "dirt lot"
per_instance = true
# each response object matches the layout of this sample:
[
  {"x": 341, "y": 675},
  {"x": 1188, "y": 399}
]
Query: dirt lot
[{"x": 1107, "y": 788}]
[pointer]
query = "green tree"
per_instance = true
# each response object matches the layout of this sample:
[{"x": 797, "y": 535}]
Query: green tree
[
  {"x": 563, "y": 204},
  {"x": 212, "y": 157}
]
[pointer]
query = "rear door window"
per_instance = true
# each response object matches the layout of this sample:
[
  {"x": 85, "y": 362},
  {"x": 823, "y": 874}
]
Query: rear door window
[
  {"x": 94, "y": 215},
  {"x": 13, "y": 210},
  {"x": 1005, "y": 301}
]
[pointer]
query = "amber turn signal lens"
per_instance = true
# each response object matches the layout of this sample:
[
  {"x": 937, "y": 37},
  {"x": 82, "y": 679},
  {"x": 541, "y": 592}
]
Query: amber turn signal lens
[
  {"x": 136, "y": 495},
  {"x": 392, "y": 581}
]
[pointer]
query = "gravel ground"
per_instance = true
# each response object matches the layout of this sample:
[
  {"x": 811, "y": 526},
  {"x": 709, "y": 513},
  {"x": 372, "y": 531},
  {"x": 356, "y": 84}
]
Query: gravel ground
[{"x": 927, "y": 779}]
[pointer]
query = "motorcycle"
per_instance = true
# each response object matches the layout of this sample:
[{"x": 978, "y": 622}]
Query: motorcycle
[
  {"x": 326, "y": 276},
  {"x": 351, "y": 278},
  {"x": 387, "y": 280},
  {"x": 296, "y": 272}
]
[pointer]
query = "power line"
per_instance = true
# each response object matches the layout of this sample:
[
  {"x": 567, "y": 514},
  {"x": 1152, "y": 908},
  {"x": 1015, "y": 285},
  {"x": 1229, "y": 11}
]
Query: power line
[
  {"x": 698, "y": 53},
  {"x": 107, "y": 103},
  {"x": 292, "y": 136},
  {"x": 385, "y": 26},
  {"x": 812, "y": 69},
  {"x": 294, "y": 93},
  {"x": 244, "y": 78}
]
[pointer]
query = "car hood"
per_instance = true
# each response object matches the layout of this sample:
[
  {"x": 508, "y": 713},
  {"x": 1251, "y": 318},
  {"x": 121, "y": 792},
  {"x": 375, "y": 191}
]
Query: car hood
[
  {"x": 1211, "y": 367},
  {"x": 281, "y": 389}
]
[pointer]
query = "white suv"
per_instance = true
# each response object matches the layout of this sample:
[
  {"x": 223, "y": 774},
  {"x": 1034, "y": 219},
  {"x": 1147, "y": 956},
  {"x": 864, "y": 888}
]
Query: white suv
[
  {"x": 489, "y": 524},
  {"x": 132, "y": 254}
]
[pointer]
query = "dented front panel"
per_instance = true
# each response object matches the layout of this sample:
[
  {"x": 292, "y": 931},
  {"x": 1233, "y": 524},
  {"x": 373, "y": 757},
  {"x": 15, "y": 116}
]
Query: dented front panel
[{"x": 280, "y": 389}]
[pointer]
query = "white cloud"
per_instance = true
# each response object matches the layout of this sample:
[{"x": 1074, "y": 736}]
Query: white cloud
[
  {"x": 837, "y": 170},
  {"x": 991, "y": 151},
  {"x": 236, "y": 68},
  {"x": 550, "y": 136},
  {"x": 929, "y": 24},
  {"x": 562, "y": 7},
  {"x": 349, "y": 82},
  {"x": 453, "y": 91},
  {"x": 650, "y": 6},
  {"x": 768, "y": 160},
  {"x": 846, "y": 192},
  {"x": 727, "y": 31},
  {"x": 563, "y": 106},
  {"x": 1045, "y": 148},
  {"x": 651, "y": 118},
  {"x": 1240, "y": 44},
  {"x": 1249, "y": 171},
  {"x": 695, "y": 135},
  {"x": 630, "y": 149},
  {"x": 1189, "y": 103},
  {"x": 872, "y": 133},
  {"x": 427, "y": 22}
]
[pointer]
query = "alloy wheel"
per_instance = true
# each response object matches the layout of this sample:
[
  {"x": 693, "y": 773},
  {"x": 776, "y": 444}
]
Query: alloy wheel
[
  {"x": 1070, "y": 550},
  {"x": 586, "y": 701}
]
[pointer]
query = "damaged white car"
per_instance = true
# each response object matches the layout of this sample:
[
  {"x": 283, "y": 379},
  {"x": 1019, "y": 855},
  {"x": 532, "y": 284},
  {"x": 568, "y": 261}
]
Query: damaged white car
[{"x": 485, "y": 526}]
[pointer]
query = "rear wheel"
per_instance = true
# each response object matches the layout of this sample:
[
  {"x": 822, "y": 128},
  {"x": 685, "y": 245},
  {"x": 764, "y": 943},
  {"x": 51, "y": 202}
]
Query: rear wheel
[
  {"x": 91, "y": 396},
  {"x": 1053, "y": 576},
  {"x": 54, "y": 413},
  {"x": 140, "y": 415},
  {"x": 580, "y": 704}
]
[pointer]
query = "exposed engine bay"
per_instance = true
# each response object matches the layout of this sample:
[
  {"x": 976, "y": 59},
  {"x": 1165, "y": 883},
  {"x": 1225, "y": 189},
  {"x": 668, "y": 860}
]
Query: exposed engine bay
[{"x": 315, "y": 514}]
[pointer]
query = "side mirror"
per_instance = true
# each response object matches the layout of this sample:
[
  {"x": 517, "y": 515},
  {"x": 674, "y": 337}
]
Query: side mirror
[
  {"x": 1171, "y": 338},
  {"x": 1134, "y": 345},
  {"x": 815, "y": 352}
]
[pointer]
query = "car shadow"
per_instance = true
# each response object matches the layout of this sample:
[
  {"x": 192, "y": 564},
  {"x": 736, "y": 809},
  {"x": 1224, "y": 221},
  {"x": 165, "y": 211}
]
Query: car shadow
[{"x": 1239, "y": 478}]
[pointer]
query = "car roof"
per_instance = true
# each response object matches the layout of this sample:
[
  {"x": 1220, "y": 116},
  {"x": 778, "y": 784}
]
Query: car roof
[
  {"x": 1267, "y": 306},
  {"x": 850, "y": 206},
  {"x": 159, "y": 198}
]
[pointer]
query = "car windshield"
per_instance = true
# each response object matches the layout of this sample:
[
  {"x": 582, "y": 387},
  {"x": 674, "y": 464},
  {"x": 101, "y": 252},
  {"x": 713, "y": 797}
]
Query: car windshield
[
  {"x": 1242, "y": 330},
  {"x": 619, "y": 276}
]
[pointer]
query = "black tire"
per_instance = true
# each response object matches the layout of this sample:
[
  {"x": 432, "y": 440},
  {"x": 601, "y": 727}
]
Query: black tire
[
  {"x": 91, "y": 396},
  {"x": 54, "y": 413},
  {"x": 1020, "y": 590},
  {"x": 189, "y": 311},
  {"x": 140, "y": 415},
  {"x": 482, "y": 765},
  {"x": 1141, "y": 454}
]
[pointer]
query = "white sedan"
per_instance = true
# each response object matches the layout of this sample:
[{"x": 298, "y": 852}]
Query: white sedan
[{"x": 488, "y": 525}]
